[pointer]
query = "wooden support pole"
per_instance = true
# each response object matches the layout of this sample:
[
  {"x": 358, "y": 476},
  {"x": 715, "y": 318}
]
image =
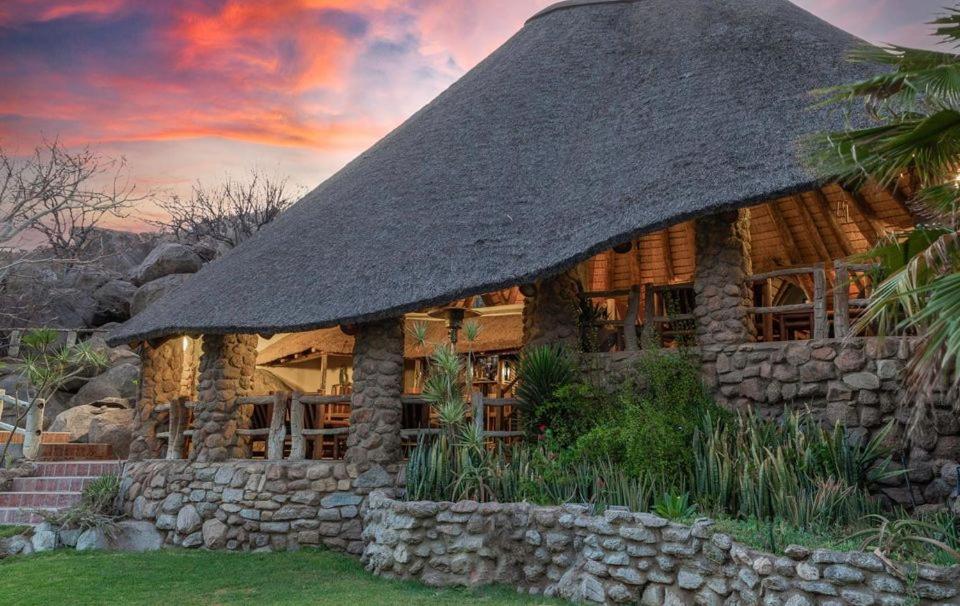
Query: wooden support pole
[
  {"x": 298, "y": 445},
  {"x": 649, "y": 311},
  {"x": 667, "y": 255},
  {"x": 841, "y": 300},
  {"x": 821, "y": 324},
  {"x": 324, "y": 362},
  {"x": 178, "y": 416},
  {"x": 630, "y": 320},
  {"x": 767, "y": 302},
  {"x": 33, "y": 430},
  {"x": 13, "y": 349},
  {"x": 278, "y": 428},
  {"x": 478, "y": 420}
]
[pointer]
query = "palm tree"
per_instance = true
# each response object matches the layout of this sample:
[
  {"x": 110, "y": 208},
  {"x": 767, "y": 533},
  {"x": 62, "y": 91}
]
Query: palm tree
[{"x": 915, "y": 105}]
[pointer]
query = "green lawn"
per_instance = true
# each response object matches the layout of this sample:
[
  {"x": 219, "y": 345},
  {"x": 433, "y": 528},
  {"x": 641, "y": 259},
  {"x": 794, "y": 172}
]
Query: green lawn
[{"x": 180, "y": 578}]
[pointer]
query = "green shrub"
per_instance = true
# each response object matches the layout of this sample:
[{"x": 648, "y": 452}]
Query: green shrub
[
  {"x": 571, "y": 412},
  {"x": 541, "y": 372},
  {"x": 650, "y": 426}
]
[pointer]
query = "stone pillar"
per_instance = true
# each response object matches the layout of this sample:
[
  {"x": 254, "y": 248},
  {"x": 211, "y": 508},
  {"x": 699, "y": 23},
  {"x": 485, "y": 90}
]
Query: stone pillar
[
  {"x": 550, "y": 315},
  {"x": 226, "y": 371},
  {"x": 723, "y": 265},
  {"x": 375, "y": 411},
  {"x": 161, "y": 368}
]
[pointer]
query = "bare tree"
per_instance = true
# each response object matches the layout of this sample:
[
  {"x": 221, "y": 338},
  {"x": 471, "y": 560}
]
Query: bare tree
[
  {"x": 227, "y": 213},
  {"x": 61, "y": 194}
]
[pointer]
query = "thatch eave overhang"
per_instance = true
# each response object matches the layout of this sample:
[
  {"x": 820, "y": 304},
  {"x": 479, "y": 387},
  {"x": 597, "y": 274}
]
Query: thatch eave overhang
[{"x": 586, "y": 129}]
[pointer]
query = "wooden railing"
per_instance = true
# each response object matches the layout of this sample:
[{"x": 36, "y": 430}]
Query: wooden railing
[
  {"x": 276, "y": 437},
  {"x": 817, "y": 306},
  {"x": 653, "y": 324},
  {"x": 16, "y": 336}
]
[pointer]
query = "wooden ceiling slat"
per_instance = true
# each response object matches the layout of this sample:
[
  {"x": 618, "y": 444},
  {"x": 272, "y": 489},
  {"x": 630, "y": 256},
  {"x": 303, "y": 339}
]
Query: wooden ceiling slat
[
  {"x": 838, "y": 231},
  {"x": 810, "y": 226}
]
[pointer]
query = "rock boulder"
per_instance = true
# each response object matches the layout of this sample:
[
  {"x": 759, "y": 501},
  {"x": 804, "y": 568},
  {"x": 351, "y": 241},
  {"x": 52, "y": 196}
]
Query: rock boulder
[
  {"x": 121, "y": 381},
  {"x": 166, "y": 259},
  {"x": 113, "y": 302},
  {"x": 152, "y": 291}
]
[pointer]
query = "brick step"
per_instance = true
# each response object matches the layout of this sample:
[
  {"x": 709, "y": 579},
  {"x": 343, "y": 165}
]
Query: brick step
[
  {"x": 45, "y": 438},
  {"x": 39, "y": 500},
  {"x": 82, "y": 468},
  {"x": 76, "y": 452},
  {"x": 52, "y": 484},
  {"x": 17, "y": 516}
]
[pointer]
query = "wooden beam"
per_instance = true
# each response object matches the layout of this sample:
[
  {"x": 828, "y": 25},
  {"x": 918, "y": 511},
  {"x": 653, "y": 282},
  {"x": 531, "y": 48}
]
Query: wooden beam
[
  {"x": 835, "y": 227},
  {"x": 810, "y": 226},
  {"x": 869, "y": 224},
  {"x": 667, "y": 255},
  {"x": 788, "y": 245},
  {"x": 786, "y": 242},
  {"x": 278, "y": 428}
]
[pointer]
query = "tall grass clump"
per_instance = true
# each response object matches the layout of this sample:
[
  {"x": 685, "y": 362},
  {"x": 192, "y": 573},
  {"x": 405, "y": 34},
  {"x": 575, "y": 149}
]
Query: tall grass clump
[{"x": 793, "y": 470}]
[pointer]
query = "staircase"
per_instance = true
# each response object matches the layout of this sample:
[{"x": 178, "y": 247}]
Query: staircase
[{"x": 54, "y": 485}]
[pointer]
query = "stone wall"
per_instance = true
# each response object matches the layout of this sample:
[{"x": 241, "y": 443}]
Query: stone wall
[
  {"x": 160, "y": 382},
  {"x": 621, "y": 557},
  {"x": 251, "y": 505},
  {"x": 720, "y": 282},
  {"x": 855, "y": 381},
  {"x": 375, "y": 408},
  {"x": 226, "y": 373},
  {"x": 550, "y": 315}
]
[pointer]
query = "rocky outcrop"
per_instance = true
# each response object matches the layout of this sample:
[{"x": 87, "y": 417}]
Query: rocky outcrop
[
  {"x": 118, "y": 382},
  {"x": 166, "y": 259},
  {"x": 97, "y": 425},
  {"x": 113, "y": 302},
  {"x": 153, "y": 291}
]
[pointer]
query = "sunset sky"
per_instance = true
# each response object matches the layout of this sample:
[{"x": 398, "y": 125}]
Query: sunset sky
[{"x": 189, "y": 89}]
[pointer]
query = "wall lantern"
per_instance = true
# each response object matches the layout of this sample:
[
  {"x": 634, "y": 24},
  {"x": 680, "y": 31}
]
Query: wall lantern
[
  {"x": 454, "y": 317},
  {"x": 622, "y": 249}
]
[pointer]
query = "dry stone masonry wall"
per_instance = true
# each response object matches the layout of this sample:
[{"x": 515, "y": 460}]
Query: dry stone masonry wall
[
  {"x": 550, "y": 315},
  {"x": 621, "y": 557},
  {"x": 857, "y": 381},
  {"x": 226, "y": 373},
  {"x": 720, "y": 282},
  {"x": 375, "y": 408},
  {"x": 160, "y": 382},
  {"x": 251, "y": 505}
]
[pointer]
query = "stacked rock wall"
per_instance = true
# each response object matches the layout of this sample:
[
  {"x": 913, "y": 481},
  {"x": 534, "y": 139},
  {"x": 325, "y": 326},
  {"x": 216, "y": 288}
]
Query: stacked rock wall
[
  {"x": 621, "y": 557},
  {"x": 550, "y": 315},
  {"x": 160, "y": 382},
  {"x": 720, "y": 282},
  {"x": 375, "y": 408},
  {"x": 251, "y": 505},
  {"x": 856, "y": 381},
  {"x": 226, "y": 373}
]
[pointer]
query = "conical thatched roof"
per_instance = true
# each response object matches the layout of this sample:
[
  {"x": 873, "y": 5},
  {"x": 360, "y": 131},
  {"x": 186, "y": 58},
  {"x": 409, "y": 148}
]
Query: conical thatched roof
[{"x": 598, "y": 121}]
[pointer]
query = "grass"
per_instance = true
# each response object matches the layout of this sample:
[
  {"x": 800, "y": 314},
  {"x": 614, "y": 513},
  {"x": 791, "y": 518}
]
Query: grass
[
  {"x": 9, "y": 531},
  {"x": 218, "y": 578}
]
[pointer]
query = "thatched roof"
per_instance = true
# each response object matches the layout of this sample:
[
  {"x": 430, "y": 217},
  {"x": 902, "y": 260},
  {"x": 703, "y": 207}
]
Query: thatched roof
[
  {"x": 499, "y": 332},
  {"x": 593, "y": 124}
]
